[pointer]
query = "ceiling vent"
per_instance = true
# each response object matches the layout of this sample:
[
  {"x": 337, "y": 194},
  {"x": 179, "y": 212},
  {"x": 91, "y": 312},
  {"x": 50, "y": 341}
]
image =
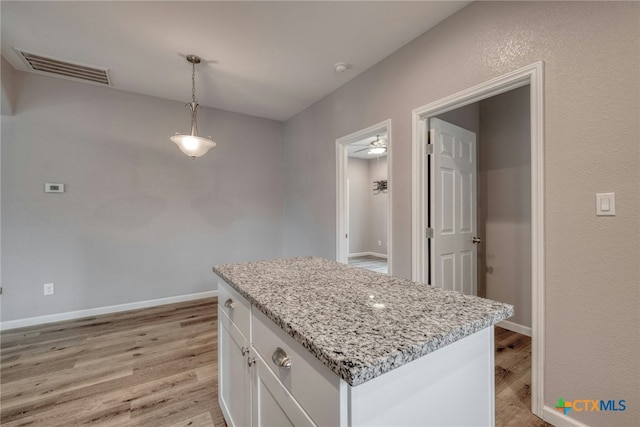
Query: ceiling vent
[{"x": 68, "y": 70}]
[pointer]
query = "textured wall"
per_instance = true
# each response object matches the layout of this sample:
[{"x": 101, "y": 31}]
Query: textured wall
[
  {"x": 139, "y": 220},
  {"x": 592, "y": 74}
]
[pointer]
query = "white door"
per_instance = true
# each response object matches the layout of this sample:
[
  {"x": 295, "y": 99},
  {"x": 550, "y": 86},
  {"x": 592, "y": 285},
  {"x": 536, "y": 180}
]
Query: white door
[{"x": 453, "y": 212}]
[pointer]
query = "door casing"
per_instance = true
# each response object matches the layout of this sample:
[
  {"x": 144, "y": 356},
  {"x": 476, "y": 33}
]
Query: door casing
[{"x": 531, "y": 75}]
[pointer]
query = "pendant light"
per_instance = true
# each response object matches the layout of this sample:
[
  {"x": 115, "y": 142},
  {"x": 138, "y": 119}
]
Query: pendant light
[{"x": 192, "y": 144}]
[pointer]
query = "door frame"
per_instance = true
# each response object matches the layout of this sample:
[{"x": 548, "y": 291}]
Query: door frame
[
  {"x": 342, "y": 205},
  {"x": 531, "y": 75}
]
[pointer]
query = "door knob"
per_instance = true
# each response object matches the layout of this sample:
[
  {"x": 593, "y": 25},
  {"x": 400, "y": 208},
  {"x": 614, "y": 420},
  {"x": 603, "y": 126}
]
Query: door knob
[{"x": 476, "y": 240}]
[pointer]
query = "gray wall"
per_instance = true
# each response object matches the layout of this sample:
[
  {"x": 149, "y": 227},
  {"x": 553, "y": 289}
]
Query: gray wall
[
  {"x": 592, "y": 101},
  {"x": 467, "y": 117},
  {"x": 358, "y": 175},
  {"x": 8, "y": 94},
  {"x": 139, "y": 220},
  {"x": 378, "y": 207},
  {"x": 504, "y": 179}
]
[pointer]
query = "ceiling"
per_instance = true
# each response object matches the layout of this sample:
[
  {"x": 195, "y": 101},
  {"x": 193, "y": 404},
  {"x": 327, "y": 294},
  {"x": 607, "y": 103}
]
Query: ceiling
[{"x": 267, "y": 59}]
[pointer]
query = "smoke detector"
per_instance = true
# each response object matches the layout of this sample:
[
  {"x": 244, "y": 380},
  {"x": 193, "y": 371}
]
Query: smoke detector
[{"x": 341, "y": 67}]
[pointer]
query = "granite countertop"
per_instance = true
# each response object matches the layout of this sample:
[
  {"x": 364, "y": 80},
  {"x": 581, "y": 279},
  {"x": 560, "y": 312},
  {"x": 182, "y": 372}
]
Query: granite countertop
[{"x": 359, "y": 323}]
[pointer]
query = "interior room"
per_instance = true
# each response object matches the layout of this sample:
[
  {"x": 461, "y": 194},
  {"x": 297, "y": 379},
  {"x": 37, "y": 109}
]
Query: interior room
[
  {"x": 368, "y": 202},
  {"x": 368, "y": 205},
  {"x": 117, "y": 200},
  {"x": 502, "y": 126}
]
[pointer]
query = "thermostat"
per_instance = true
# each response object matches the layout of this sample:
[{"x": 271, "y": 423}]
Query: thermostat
[{"x": 50, "y": 187}]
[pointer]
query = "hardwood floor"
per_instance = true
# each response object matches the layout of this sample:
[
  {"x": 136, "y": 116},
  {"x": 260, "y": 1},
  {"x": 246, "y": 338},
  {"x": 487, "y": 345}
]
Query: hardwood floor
[
  {"x": 513, "y": 380},
  {"x": 155, "y": 366},
  {"x": 158, "y": 367}
]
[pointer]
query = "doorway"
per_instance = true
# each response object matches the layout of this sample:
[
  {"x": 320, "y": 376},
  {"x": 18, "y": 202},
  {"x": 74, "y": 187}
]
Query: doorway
[
  {"x": 363, "y": 192},
  {"x": 530, "y": 77}
]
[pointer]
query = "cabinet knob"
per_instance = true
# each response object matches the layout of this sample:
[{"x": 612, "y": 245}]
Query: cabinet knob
[
  {"x": 251, "y": 361},
  {"x": 281, "y": 359},
  {"x": 244, "y": 350},
  {"x": 229, "y": 304}
]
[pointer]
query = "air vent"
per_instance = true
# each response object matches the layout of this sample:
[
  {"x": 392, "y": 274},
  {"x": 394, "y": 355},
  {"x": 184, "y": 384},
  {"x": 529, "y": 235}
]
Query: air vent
[{"x": 65, "y": 69}]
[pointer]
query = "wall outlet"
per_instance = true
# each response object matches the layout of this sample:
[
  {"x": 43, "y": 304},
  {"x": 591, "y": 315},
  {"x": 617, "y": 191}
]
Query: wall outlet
[
  {"x": 379, "y": 242},
  {"x": 48, "y": 288}
]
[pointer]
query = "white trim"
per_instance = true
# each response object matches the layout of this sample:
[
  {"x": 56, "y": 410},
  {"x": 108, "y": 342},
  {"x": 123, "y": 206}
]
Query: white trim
[
  {"x": 375, "y": 254},
  {"x": 524, "y": 330},
  {"x": 70, "y": 315},
  {"x": 552, "y": 416},
  {"x": 530, "y": 75},
  {"x": 342, "y": 248}
]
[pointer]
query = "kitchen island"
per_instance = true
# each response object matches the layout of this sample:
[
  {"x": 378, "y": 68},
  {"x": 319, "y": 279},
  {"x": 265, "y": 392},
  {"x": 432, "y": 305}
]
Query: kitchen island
[{"x": 307, "y": 341}]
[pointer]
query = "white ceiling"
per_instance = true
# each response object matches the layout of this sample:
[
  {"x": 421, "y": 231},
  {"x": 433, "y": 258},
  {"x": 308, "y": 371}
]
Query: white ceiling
[{"x": 268, "y": 59}]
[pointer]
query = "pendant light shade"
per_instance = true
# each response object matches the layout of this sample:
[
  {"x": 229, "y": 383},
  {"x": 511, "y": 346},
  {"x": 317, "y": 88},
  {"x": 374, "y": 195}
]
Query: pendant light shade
[
  {"x": 193, "y": 145},
  {"x": 377, "y": 150}
]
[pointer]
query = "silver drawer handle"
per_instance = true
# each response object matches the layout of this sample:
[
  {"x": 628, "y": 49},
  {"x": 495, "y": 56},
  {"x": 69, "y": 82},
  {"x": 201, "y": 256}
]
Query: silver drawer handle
[
  {"x": 230, "y": 304},
  {"x": 281, "y": 359},
  {"x": 244, "y": 351}
]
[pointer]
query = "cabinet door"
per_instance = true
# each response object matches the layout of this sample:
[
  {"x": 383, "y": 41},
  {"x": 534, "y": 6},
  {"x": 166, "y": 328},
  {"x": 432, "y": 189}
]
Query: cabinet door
[
  {"x": 234, "y": 374},
  {"x": 273, "y": 405}
]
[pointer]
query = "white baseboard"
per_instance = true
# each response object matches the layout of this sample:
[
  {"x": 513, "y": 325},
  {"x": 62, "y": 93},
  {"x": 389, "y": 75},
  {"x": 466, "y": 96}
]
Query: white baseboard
[
  {"x": 369, "y": 254},
  {"x": 50, "y": 318},
  {"x": 558, "y": 419},
  {"x": 524, "y": 330}
]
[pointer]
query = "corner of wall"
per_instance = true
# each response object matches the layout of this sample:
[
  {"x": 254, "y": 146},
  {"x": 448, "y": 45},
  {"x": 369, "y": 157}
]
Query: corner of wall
[{"x": 8, "y": 88}]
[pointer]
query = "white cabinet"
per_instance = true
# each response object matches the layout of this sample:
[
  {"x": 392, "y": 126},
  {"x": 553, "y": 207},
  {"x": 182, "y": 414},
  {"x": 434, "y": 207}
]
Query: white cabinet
[
  {"x": 429, "y": 391},
  {"x": 273, "y": 405},
  {"x": 234, "y": 373},
  {"x": 314, "y": 386},
  {"x": 249, "y": 392}
]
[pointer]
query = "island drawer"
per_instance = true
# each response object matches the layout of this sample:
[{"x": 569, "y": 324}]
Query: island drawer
[
  {"x": 235, "y": 306},
  {"x": 313, "y": 385}
]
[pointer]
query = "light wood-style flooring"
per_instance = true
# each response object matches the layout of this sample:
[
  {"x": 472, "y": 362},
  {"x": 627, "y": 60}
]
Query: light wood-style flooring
[
  {"x": 370, "y": 262},
  {"x": 513, "y": 380},
  {"x": 151, "y": 367},
  {"x": 158, "y": 367}
]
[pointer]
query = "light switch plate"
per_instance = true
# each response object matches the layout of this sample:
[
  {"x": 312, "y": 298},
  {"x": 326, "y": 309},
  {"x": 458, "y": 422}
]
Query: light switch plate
[{"x": 605, "y": 204}]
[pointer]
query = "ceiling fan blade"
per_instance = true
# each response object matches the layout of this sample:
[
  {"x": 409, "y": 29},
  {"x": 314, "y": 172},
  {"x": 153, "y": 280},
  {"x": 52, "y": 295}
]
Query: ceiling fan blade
[{"x": 362, "y": 149}]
